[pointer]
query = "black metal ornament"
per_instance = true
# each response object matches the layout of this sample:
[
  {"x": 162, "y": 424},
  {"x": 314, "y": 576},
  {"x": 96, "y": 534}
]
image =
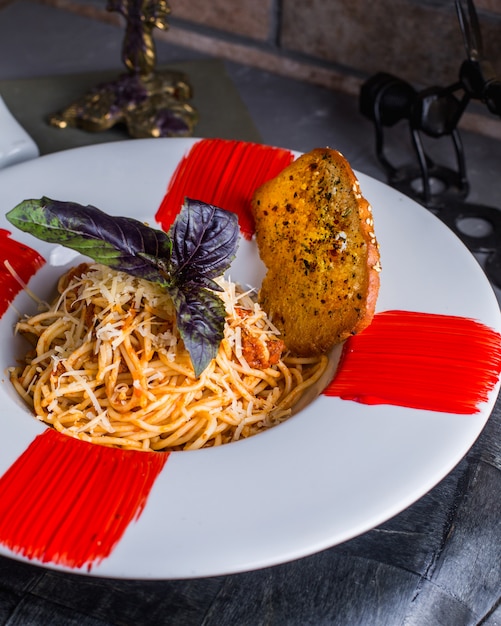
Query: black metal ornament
[{"x": 435, "y": 112}]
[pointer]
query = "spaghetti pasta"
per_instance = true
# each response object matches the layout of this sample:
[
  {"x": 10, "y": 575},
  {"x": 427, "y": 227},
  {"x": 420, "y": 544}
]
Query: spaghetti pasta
[{"x": 108, "y": 366}]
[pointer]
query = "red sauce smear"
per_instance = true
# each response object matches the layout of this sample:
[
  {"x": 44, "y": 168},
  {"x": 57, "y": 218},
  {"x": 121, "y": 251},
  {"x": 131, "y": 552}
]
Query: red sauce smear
[
  {"x": 225, "y": 173},
  {"x": 68, "y": 502},
  {"x": 420, "y": 360},
  {"x": 23, "y": 259}
]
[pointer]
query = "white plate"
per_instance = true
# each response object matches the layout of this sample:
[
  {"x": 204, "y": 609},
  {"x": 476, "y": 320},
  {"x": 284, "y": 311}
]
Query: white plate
[{"x": 335, "y": 470}]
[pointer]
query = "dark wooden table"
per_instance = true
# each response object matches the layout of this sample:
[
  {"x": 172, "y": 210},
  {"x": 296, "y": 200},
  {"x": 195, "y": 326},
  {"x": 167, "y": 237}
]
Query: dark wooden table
[{"x": 436, "y": 563}]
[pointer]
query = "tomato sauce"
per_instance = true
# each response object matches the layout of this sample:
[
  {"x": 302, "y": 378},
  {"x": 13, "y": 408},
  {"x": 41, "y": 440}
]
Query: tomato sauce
[
  {"x": 209, "y": 171},
  {"x": 68, "y": 502},
  {"x": 24, "y": 260},
  {"x": 420, "y": 360}
]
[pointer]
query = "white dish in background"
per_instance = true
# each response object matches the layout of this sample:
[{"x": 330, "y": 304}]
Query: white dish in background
[
  {"x": 331, "y": 472},
  {"x": 15, "y": 143}
]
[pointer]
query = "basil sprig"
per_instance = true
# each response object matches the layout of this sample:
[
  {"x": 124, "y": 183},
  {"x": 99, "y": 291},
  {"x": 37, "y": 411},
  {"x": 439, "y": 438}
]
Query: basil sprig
[{"x": 198, "y": 248}]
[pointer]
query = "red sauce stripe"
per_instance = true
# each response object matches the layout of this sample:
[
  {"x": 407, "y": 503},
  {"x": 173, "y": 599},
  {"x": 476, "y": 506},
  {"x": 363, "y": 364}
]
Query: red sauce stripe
[
  {"x": 225, "y": 173},
  {"x": 24, "y": 260},
  {"x": 420, "y": 360},
  {"x": 68, "y": 502}
]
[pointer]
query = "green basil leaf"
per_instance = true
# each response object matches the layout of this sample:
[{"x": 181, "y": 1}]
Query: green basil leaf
[{"x": 123, "y": 243}]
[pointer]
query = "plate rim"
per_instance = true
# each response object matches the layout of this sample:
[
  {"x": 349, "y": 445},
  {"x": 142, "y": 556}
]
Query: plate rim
[{"x": 117, "y": 567}]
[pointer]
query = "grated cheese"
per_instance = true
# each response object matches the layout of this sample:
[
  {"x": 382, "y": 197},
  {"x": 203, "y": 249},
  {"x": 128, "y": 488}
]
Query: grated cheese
[{"x": 111, "y": 366}]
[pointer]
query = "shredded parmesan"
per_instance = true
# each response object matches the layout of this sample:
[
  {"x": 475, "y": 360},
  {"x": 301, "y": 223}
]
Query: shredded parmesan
[{"x": 110, "y": 367}]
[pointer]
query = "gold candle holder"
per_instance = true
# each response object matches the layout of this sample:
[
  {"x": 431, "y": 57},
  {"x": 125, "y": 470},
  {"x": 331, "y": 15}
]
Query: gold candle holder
[{"x": 148, "y": 101}]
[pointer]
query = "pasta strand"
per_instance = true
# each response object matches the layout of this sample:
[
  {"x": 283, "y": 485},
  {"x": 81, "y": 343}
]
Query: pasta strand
[{"x": 109, "y": 367}]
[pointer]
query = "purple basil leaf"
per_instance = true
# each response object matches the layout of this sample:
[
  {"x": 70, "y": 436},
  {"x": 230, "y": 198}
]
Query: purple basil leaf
[
  {"x": 204, "y": 243},
  {"x": 200, "y": 319}
]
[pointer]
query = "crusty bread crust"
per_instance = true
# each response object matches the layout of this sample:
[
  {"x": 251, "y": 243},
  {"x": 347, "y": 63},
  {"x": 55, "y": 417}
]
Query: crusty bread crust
[{"x": 315, "y": 234}]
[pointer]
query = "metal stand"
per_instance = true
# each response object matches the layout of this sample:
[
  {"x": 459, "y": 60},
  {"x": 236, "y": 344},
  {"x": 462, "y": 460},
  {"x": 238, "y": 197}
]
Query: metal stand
[
  {"x": 150, "y": 103},
  {"x": 435, "y": 112}
]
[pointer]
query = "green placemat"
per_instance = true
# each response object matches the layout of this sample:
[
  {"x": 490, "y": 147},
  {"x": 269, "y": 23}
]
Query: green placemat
[{"x": 31, "y": 101}]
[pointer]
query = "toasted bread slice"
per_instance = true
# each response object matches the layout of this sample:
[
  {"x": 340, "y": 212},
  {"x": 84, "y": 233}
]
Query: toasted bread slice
[{"x": 315, "y": 234}]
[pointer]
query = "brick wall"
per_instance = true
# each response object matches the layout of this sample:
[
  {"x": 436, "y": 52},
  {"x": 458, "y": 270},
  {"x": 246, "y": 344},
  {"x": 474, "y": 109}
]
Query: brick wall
[
  {"x": 340, "y": 43},
  {"x": 332, "y": 40}
]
